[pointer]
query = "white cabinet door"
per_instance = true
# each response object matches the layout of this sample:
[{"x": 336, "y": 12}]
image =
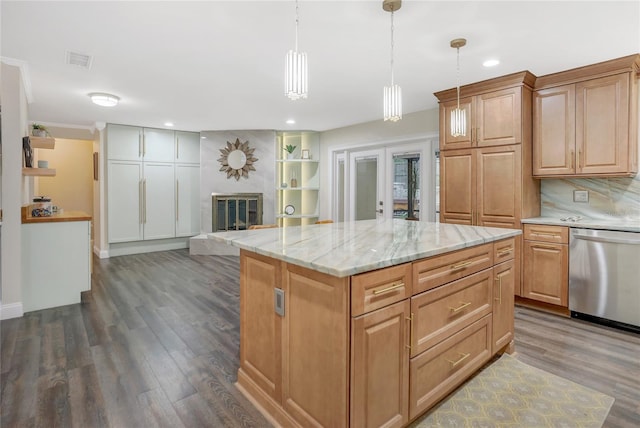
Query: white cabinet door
[
  {"x": 124, "y": 142},
  {"x": 188, "y": 197},
  {"x": 158, "y": 193},
  {"x": 124, "y": 201},
  {"x": 187, "y": 147},
  {"x": 158, "y": 145}
]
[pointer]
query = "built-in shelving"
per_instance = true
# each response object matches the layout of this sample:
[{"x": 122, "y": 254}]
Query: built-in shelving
[
  {"x": 39, "y": 172},
  {"x": 48, "y": 143}
]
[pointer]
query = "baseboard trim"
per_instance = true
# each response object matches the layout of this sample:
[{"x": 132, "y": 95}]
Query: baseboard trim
[
  {"x": 11, "y": 310},
  {"x": 138, "y": 247},
  {"x": 102, "y": 254}
]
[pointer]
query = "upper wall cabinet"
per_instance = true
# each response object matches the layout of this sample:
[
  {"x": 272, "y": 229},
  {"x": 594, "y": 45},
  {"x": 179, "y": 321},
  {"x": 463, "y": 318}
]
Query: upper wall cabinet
[
  {"x": 585, "y": 121},
  {"x": 187, "y": 147},
  {"x": 132, "y": 143},
  {"x": 494, "y": 110}
]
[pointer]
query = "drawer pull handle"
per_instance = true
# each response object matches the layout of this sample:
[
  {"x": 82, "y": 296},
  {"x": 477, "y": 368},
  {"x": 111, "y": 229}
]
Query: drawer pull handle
[
  {"x": 386, "y": 290},
  {"x": 461, "y": 359},
  {"x": 461, "y": 307},
  {"x": 553, "y": 235},
  {"x": 410, "y": 319},
  {"x": 505, "y": 251},
  {"x": 545, "y": 247},
  {"x": 461, "y": 265}
]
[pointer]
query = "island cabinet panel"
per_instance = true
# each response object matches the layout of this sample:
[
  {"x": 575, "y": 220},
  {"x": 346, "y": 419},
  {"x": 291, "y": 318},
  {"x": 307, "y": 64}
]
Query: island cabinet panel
[
  {"x": 440, "y": 312},
  {"x": 433, "y": 272},
  {"x": 439, "y": 370},
  {"x": 373, "y": 290},
  {"x": 315, "y": 348},
  {"x": 380, "y": 367},
  {"x": 505, "y": 277},
  {"x": 260, "y": 356}
]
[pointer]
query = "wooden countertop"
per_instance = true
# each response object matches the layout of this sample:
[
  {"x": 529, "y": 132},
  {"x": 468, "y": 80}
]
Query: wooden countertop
[{"x": 56, "y": 218}]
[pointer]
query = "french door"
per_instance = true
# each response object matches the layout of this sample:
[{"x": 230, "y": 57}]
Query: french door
[{"x": 366, "y": 184}]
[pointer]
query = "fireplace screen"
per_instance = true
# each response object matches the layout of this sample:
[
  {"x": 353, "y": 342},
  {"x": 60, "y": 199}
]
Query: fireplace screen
[{"x": 236, "y": 211}]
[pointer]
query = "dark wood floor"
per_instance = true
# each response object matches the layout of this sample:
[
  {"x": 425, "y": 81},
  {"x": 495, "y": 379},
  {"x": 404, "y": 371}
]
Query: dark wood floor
[{"x": 156, "y": 343}]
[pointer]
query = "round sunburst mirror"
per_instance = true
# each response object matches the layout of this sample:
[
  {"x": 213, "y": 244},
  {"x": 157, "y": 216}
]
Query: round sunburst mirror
[{"x": 237, "y": 159}]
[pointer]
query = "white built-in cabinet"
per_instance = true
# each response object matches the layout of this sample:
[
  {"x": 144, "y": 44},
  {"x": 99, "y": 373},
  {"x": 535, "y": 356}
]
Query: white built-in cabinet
[{"x": 153, "y": 183}]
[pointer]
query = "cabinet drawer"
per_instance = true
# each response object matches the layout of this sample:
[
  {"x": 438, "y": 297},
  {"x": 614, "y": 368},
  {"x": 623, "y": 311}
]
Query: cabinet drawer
[
  {"x": 437, "y": 371},
  {"x": 546, "y": 233},
  {"x": 504, "y": 250},
  {"x": 433, "y": 272},
  {"x": 373, "y": 290},
  {"x": 440, "y": 312}
]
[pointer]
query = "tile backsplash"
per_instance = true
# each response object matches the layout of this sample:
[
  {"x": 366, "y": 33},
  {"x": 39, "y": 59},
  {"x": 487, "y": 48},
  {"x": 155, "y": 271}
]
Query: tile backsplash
[{"x": 609, "y": 198}]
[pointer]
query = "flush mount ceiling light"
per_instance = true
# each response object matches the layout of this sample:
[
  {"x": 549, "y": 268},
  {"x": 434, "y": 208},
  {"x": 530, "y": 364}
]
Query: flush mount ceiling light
[
  {"x": 104, "y": 100},
  {"x": 296, "y": 72},
  {"x": 458, "y": 116},
  {"x": 393, "y": 93}
]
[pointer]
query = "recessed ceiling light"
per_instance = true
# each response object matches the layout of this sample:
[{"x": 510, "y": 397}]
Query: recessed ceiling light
[
  {"x": 491, "y": 63},
  {"x": 203, "y": 137},
  {"x": 104, "y": 100},
  {"x": 291, "y": 122},
  {"x": 168, "y": 124}
]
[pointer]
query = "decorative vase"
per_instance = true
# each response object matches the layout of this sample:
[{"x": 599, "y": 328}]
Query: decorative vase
[
  {"x": 294, "y": 182},
  {"x": 290, "y": 156}
]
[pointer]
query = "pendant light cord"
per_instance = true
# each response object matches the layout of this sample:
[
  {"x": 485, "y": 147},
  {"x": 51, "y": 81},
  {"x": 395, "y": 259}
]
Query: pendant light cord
[
  {"x": 297, "y": 25},
  {"x": 392, "y": 45},
  {"x": 458, "y": 75}
]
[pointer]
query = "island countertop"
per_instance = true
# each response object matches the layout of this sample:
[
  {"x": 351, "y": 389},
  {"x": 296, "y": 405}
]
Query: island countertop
[{"x": 343, "y": 249}]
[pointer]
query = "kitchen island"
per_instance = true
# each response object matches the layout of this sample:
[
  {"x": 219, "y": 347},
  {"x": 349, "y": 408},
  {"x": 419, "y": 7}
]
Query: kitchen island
[{"x": 369, "y": 323}]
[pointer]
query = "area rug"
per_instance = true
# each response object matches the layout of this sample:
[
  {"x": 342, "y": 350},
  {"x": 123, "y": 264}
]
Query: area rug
[{"x": 509, "y": 393}]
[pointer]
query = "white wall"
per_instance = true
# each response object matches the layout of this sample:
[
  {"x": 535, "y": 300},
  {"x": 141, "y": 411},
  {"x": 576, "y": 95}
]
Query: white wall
[
  {"x": 412, "y": 126},
  {"x": 260, "y": 181},
  {"x": 14, "y": 127}
]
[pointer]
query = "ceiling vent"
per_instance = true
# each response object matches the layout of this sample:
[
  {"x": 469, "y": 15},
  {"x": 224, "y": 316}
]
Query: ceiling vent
[{"x": 79, "y": 59}]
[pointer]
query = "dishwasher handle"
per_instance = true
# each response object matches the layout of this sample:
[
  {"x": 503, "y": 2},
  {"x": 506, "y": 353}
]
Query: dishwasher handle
[{"x": 607, "y": 240}]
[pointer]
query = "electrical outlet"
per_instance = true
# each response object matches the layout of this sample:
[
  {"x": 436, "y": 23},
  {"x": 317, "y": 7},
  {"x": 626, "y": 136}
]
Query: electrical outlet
[{"x": 580, "y": 196}]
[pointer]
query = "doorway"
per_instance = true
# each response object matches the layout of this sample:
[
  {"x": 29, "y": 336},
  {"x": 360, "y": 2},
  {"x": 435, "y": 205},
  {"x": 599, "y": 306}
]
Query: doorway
[{"x": 367, "y": 184}]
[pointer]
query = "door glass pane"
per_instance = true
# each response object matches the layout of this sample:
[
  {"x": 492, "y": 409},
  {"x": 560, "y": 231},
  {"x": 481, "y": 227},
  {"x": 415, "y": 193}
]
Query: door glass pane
[
  {"x": 366, "y": 188},
  {"x": 406, "y": 186},
  {"x": 340, "y": 190}
]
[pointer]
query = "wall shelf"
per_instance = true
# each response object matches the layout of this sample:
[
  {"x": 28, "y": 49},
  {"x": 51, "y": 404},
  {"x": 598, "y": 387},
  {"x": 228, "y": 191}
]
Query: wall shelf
[
  {"x": 48, "y": 143},
  {"x": 39, "y": 172}
]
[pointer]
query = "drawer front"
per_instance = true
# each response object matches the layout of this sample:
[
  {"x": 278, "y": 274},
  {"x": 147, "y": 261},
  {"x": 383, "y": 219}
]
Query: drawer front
[
  {"x": 438, "y": 371},
  {"x": 440, "y": 312},
  {"x": 504, "y": 250},
  {"x": 374, "y": 290},
  {"x": 546, "y": 233},
  {"x": 433, "y": 272}
]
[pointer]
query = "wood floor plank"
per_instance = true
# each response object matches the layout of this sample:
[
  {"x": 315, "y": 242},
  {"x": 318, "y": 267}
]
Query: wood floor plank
[
  {"x": 85, "y": 398},
  {"x": 20, "y": 392}
]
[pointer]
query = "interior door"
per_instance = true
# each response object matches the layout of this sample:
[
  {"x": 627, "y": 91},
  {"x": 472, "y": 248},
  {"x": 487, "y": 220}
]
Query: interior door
[{"x": 367, "y": 185}]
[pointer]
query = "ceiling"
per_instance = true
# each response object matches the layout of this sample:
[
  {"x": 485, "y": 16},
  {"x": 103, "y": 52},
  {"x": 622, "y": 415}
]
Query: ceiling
[{"x": 219, "y": 65}]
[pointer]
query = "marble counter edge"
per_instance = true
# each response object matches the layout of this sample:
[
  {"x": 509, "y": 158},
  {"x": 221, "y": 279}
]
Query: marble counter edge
[
  {"x": 586, "y": 224},
  {"x": 365, "y": 267}
]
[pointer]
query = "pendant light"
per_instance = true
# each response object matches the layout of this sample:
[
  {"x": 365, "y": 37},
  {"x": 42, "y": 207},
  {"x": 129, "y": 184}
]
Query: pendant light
[
  {"x": 296, "y": 73},
  {"x": 393, "y": 93},
  {"x": 458, "y": 116}
]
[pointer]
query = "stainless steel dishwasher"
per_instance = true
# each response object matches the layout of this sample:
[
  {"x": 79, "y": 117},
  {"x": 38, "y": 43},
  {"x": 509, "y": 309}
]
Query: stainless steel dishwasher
[{"x": 604, "y": 276}]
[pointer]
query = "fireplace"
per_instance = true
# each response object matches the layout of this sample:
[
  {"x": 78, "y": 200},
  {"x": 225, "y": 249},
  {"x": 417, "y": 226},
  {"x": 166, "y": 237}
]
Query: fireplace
[{"x": 235, "y": 211}]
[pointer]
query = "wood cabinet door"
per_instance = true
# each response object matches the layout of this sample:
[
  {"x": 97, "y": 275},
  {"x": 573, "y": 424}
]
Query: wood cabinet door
[
  {"x": 260, "y": 326},
  {"x": 158, "y": 145},
  {"x": 159, "y": 203},
  {"x": 499, "y": 186},
  {"x": 498, "y": 118},
  {"x": 380, "y": 367},
  {"x": 505, "y": 277},
  {"x": 554, "y": 132},
  {"x": 125, "y": 201},
  {"x": 124, "y": 142},
  {"x": 546, "y": 272},
  {"x": 602, "y": 125},
  {"x": 457, "y": 186},
  {"x": 315, "y": 348},
  {"x": 447, "y": 141}
]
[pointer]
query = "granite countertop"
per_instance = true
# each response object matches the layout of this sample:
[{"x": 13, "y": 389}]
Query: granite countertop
[
  {"x": 58, "y": 217},
  {"x": 624, "y": 225},
  {"x": 343, "y": 249}
]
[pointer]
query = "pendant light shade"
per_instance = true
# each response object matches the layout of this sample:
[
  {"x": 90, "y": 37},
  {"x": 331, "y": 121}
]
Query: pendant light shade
[
  {"x": 392, "y": 101},
  {"x": 458, "y": 115},
  {"x": 296, "y": 71}
]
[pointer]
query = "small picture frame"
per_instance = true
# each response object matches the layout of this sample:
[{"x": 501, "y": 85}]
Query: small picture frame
[
  {"x": 95, "y": 166},
  {"x": 305, "y": 154}
]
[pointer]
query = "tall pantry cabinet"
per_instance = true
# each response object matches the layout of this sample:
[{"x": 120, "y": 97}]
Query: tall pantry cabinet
[{"x": 152, "y": 183}]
